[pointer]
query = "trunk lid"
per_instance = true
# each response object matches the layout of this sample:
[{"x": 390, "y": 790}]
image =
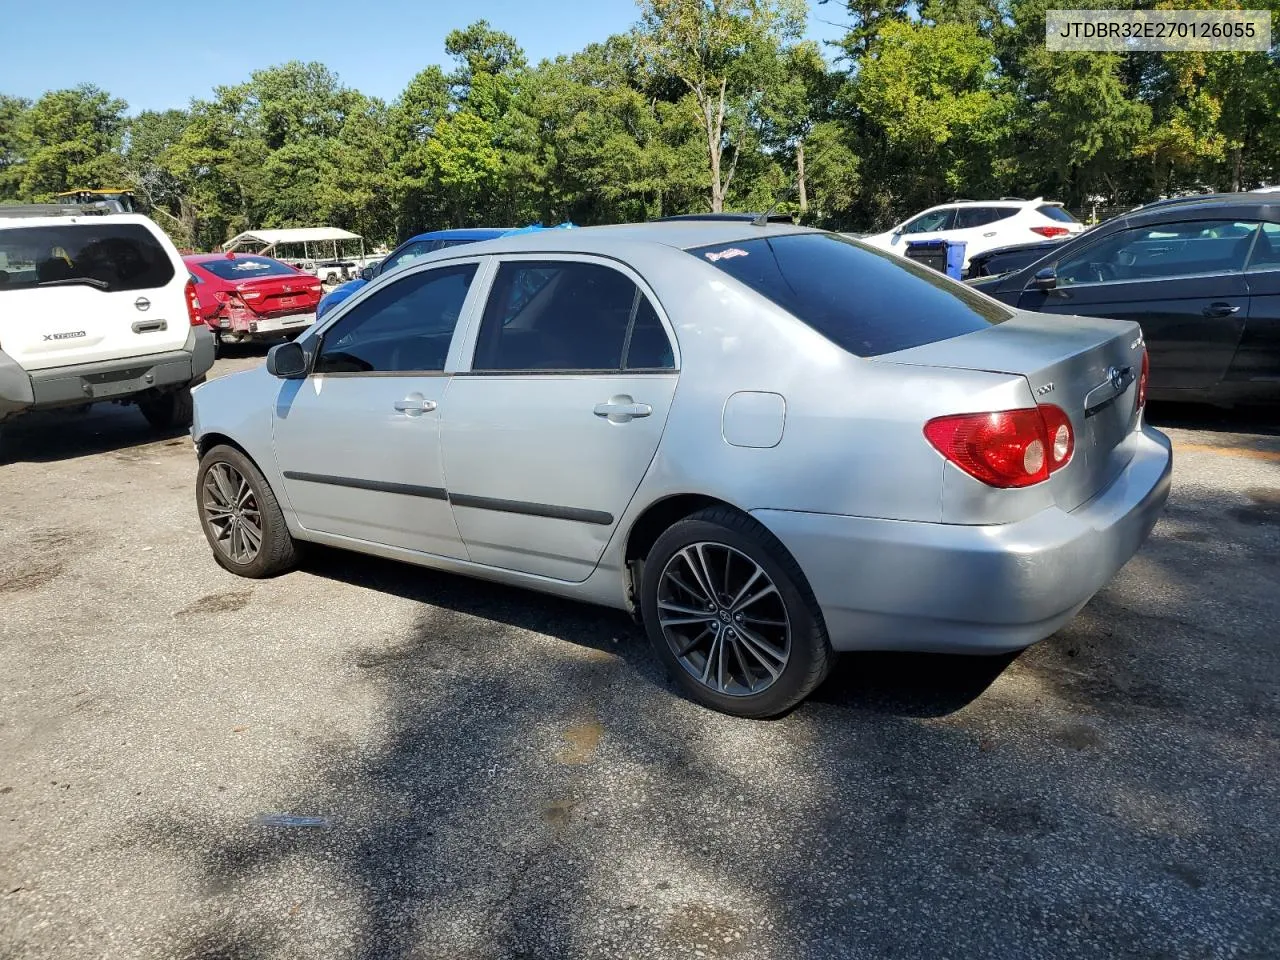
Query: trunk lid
[
  {"x": 1086, "y": 366},
  {"x": 280, "y": 295}
]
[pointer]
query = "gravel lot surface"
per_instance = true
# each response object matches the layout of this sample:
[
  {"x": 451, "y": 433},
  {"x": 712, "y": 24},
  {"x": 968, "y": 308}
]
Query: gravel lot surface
[{"x": 504, "y": 775}]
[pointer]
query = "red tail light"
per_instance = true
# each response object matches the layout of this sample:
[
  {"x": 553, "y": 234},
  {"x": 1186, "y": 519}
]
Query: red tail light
[
  {"x": 1060, "y": 439},
  {"x": 1142, "y": 380},
  {"x": 1050, "y": 232},
  {"x": 193, "y": 304},
  {"x": 1008, "y": 448}
]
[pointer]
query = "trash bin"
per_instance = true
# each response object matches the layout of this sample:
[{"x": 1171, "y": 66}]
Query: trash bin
[{"x": 945, "y": 256}]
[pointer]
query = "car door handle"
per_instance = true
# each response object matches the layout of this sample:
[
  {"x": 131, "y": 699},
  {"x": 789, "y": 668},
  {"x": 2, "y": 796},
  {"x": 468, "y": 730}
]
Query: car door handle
[
  {"x": 1220, "y": 310},
  {"x": 415, "y": 404},
  {"x": 150, "y": 326},
  {"x": 622, "y": 408}
]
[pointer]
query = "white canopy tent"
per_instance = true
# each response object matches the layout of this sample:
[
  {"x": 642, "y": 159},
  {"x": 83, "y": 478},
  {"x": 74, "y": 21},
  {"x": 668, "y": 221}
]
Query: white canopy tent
[{"x": 266, "y": 241}]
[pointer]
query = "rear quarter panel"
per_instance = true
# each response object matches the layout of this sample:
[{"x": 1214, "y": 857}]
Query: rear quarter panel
[{"x": 852, "y": 440}]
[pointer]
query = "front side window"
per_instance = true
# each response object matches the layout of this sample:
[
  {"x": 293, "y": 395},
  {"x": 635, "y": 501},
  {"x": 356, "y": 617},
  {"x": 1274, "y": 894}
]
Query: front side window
[
  {"x": 569, "y": 315},
  {"x": 865, "y": 300},
  {"x": 412, "y": 252},
  {"x": 930, "y": 222},
  {"x": 111, "y": 257},
  {"x": 406, "y": 327},
  {"x": 1161, "y": 251}
]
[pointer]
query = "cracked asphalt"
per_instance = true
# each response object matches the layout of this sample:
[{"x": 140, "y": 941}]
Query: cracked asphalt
[{"x": 498, "y": 774}]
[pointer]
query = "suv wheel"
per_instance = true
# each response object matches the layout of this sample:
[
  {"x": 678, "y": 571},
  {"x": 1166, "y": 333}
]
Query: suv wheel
[
  {"x": 241, "y": 517},
  {"x": 167, "y": 410},
  {"x": 731, "y": 616}
]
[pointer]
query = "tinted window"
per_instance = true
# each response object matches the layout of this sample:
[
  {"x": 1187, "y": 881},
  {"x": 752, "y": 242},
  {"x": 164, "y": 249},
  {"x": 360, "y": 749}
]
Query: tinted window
[
  {"x": 981, "y": 216},
  {"x": 246, "y": 268},
  {"x": 867, "y": 301},
  {"x": 566, "y": 315},
  {"x": 929, "y": 222},
  {"x": 1054, "y": 212},
  {"x": 1161, "y": 251},
  {"x": 406, "y": 326},
  {"x": 410, "y": 253},
  {"x": 108, "y": 256},
  {"x": 1266, "y": 251}
]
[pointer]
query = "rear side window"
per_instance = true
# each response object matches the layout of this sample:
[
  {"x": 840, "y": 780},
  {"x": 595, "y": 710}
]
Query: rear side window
[
  {"x": 980, "y": 216},
  {"x": 867, "y": 301},
  {"x": 1266, "y": 250},
  {"x": 1054, "y": 212},
  {"x": 569, "y": 315},
  {"x": 246, "y": 268},
  {"x": 106, "y": 256}
]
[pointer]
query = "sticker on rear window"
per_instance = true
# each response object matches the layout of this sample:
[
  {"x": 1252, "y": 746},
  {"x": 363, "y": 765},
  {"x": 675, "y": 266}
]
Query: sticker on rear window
[
  {"x": 728, "y": 254},
  {"x": 250, "y": 265}
]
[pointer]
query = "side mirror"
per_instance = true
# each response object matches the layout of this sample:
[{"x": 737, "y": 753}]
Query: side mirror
[
  {"x": 1045, "y": 279},
  {"x": 288, "y": 361},
  {"x": 897, "y": 235},
  {"x": 368, "y": 273}
]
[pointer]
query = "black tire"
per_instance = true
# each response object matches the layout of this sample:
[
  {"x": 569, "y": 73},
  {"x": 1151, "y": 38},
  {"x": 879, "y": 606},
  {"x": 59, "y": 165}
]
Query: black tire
[
  {"x": 168, "y": 410},
  {"x": 810, "y": 655},
  {"x": 278, "y": 553}
]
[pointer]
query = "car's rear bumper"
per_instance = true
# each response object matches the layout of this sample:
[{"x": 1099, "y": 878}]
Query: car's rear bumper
[
  {"x": 54, "y": 387},
  {"x": 280, "y": 326},
  {"x": 901, "y": 585}
]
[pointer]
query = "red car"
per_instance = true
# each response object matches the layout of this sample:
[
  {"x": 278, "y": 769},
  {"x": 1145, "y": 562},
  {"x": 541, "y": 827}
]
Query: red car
[{"x": 247, "y": 297}]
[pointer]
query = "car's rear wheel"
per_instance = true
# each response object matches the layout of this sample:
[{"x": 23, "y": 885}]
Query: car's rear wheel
[
  {"x": 241, "y": 517},
  {"x": 167, "y": 410},
  {"x": 731, "y": 616}
]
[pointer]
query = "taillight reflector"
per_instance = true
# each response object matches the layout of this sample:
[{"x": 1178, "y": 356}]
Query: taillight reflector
[
  {"x": 1050, "y": 232},
  {"x": 193, "y": 304},
  {"x": 1005, "y": 448},
  {"x": 1142, "y": 380}
]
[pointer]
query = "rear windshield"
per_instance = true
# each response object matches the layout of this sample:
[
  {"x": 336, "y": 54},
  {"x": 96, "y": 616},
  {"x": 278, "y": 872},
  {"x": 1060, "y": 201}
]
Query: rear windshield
[
  {"x": 247, "y": 268},
  {"x": 107, "y": 256},
  {"x": 1054, "y": 212},
  {"x": 867, "y": 301}
]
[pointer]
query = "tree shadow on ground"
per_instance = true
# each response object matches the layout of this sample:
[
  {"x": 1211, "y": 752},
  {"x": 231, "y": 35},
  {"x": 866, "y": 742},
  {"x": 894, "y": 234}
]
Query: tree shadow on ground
[
  {"x": 537, "y": 790},
  {"x": 64, "y": 435}
]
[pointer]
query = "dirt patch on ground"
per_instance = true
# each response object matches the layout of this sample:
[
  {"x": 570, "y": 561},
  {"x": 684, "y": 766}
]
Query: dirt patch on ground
[{"x": 227, "y": 602}]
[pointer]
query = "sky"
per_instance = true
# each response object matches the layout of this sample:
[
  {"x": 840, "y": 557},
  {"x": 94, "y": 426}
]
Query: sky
[{"x": 156, "y": 54}]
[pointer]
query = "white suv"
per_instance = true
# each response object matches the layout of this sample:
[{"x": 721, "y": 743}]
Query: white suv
[
  {"x": 96, "y": 308},
  {"x": 983, "y": 225}
]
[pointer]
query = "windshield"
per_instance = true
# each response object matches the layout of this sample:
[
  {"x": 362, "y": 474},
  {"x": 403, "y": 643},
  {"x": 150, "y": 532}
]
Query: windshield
[
  {"x": 246, "y": 268},
  {"x": 106, "y": 256},
  {"x": 867, "y": 301}
]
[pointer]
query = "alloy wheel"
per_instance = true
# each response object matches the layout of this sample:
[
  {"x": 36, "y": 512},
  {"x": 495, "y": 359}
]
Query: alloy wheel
[
  {"x": 724, "y": 619},
  {"x": 232, "y": 512}
]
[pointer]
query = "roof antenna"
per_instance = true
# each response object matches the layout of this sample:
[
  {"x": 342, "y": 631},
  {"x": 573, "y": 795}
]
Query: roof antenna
[{"x": 763, "y": 219}]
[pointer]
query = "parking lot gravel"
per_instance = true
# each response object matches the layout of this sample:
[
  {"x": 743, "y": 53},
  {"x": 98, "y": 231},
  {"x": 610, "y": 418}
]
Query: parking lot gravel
[{"x": 497, "y": 774}]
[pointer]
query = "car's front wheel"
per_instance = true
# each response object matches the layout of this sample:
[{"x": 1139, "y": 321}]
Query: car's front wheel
[
  {"x": 241, "y": 517},
  {"x": 729, "y": 612}
]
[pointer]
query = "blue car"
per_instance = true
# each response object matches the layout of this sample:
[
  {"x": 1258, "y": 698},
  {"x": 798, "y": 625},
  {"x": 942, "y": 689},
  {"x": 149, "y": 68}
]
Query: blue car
[{"x": 416, "y": 247}]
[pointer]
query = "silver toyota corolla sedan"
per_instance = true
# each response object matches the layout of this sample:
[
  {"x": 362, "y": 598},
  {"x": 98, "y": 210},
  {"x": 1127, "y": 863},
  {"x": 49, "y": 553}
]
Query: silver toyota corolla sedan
[{"x": 770, "y": 443}]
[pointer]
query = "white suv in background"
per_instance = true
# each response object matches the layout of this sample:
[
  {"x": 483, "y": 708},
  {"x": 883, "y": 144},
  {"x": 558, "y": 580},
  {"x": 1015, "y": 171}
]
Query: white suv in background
[
  {"x": 96, "y": 308},
  {"x": 982, "y": 224}
]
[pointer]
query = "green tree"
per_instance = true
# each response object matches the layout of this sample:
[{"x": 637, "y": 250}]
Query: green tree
[
  {"x": 69, "y": 139},
  {"x": 716, "y": 48}
]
